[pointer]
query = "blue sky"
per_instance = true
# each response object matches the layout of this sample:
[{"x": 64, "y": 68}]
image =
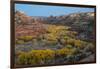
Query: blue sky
[{"x": 45, "y": 10}]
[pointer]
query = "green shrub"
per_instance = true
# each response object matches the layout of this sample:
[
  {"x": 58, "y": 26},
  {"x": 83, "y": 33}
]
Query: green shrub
[
  {"x": 90, "y": 47},
  {"x": 69, "y": 46},
  {"x": 25, "y": 38},
  {"x": 20, "y": 42},
  {"x": 78, "y": 43},
  {"x": 70, "y": 41},
  {"x": 22, "y": 58},
  {"x": 36, "y": 57},
  {"x": 65, "y": 51}
]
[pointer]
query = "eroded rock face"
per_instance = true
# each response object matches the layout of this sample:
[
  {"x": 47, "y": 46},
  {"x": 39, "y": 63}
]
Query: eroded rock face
[{"x": 26, "y": 25}]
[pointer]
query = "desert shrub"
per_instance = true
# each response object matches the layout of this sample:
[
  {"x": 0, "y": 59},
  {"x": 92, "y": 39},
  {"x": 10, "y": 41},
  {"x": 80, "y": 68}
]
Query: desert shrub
[
  {"x": 74, "y": 56},
  {"x": 25, "y": 38},
  {"x": 61, "y": 41},
  {"x": 20, "y": 42},
  {"x": 77, "y": 43},
  {"x": 65, "y": 37},
  {"x": 18, "y": 53},
  {"x": 70, "y": 58},
  {"x": 71, "y": 33},
  {"x": 27, "y": 58},
  {"x": 70, "y": 41},
  {"x": 51, "y": 37},
  {"x": 36, "y": 57},
  {"x": 43, "y": 55},
  {"x": 40, "y": 37},
  {"x": 22, "y": 58},
  {"x": 65, "y": 51},
  {"x": 50, "y": 54},
  {"x": 90, "y": 47},
  {"x": 83, "y": 44},
  {"x": 80, "y": 44},
  {"x": 69, "y": 46},
  {"x": 74, "y": 33},
  {"x": 51, "y": 43}
]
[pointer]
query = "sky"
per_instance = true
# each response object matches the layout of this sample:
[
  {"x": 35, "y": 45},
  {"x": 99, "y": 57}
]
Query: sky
[{"x": 47, "y": 10}]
